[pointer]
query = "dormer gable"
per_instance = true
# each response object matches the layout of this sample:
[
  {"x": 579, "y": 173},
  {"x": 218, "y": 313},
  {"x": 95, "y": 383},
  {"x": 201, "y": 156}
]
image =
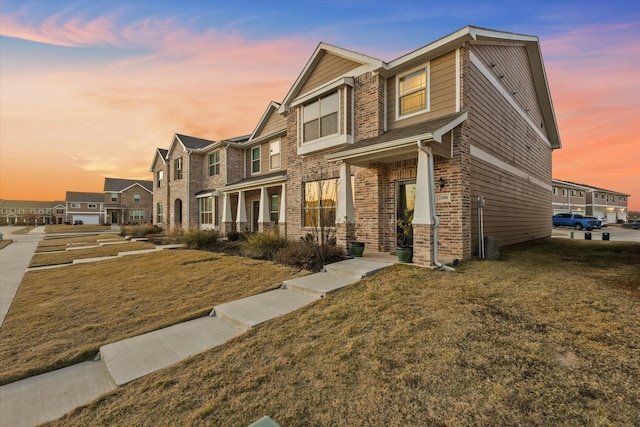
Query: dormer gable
[{"x": 271, "y": 124}]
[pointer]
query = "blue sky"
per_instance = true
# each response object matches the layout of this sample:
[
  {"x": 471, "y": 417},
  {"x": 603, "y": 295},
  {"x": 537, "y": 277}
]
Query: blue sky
[{"x": 96, "y": 86}]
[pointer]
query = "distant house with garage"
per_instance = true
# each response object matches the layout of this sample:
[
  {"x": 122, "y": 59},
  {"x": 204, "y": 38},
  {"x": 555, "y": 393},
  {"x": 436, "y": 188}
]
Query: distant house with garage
[
  {"x": 85, "y": 207},
  {"x": 128, "y": 201},
  {"x": 463, "y": 122},
  {"x": 585, "y": 199}
]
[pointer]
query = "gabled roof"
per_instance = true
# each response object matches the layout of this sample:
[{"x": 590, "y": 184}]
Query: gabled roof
[
  {"x": 268, "y": 114},
  {"x": 162, "y": 153},
  {"x": 82, "y": 197},
  {"x": 118, "y": 185},
  {"x": 26, "y": 204},
  {"x": 587, "y": 187},
  {"x": 323, "y": 48},
  {"x": 437, "y": 48},
  {"x": 193, "y": 143}
]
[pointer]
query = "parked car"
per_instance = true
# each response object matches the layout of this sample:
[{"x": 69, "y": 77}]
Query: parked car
[
  {"x": 576, "y": 221},
  {"x": 597, "y": 220},
  {"x": 632, "y": 223},
  {"x": 78, "y": 222},
  {"x": 604, "y": 221}
]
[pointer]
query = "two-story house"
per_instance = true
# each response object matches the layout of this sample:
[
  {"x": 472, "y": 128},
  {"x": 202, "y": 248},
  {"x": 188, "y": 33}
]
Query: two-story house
[
  {"x": 85, "y": 207},
  {"x": 468, "y": 117},
  {"x": 589, "y": 200},
  {"x": 463, "y": 123},
  {"x": 233, "y": 184},
  {"x": 128, "y": 201}
]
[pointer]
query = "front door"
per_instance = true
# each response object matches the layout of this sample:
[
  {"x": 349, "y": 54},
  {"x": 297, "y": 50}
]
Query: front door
[
  {"x": 255, "y": 211},
  {"x": 114, "y": 217},
  {"x": 405, "y": 204}
]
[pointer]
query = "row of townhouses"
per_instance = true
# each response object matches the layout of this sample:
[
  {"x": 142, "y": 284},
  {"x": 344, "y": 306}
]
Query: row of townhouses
[
  {"x": 123, "y": 201},
  {"x": 360, "y": 141},
  {"x": 587, "y": 200}
]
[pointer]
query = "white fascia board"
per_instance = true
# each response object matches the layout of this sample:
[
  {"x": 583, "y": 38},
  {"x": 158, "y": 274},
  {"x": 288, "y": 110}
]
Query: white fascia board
[
  {"x": 273, "y": 106},
  {"x": 438, "y": 133},
  {"x": 208, "y": 194},
  {"x": 340, "y": 81},
  {"x": 254, "y": 184},
  {"x": 153, "y": 162},
  {"x": 371, "y": 62},
  {"x": 483, "y": 33},
  {"x": 378, "y": 148}
]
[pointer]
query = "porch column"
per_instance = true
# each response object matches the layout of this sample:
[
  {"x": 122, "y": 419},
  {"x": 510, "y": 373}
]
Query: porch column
[
  {"x": 282, "y": 216},
  {"x": 345, "y": 216},
  {"x": 422, "y": 219},
  {"x": 241, "y": 217},
  {"x": 264, "y": 218},
  {"x": 227, "y": 218}
]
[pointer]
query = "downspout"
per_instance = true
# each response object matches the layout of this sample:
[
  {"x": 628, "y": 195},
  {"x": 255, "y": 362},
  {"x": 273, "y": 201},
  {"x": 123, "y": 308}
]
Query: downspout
[{"x": 432, "y": 207}]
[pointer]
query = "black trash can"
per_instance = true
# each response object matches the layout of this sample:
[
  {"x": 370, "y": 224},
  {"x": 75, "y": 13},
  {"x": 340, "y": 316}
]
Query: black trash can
[
  {"x": 587, "y": 236},
  {"x": 605, "y": 236}
]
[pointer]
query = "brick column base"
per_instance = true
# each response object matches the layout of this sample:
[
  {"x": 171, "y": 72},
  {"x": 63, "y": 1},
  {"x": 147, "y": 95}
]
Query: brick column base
[
  {"x": 345, "y": 233},
  {"x": 226, "y": 228},
  {"x": 423, "y": 244}
]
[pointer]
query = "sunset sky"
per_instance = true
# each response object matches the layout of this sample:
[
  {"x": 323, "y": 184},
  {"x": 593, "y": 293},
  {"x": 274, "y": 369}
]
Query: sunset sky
[{"x": 89, "y": 89}]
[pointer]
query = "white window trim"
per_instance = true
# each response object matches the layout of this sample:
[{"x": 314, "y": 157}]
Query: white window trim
[
  {"x": 259, "y": 148},
  {"x": 279, "y": 141},
  {"x": 427, "y": 68},
  {"x": 218, "y": 163}
]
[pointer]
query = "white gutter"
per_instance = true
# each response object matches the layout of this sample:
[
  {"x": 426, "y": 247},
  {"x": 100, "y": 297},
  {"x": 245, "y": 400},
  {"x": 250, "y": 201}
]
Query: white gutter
[{"x": 432, "y": 206}]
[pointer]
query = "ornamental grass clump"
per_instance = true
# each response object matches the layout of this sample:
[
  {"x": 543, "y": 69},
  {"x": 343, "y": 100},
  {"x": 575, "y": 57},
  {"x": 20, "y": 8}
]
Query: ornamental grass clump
[
  {"x": 263, "y": 245},
  {"x": 200, "y": 239},
  {"x": 138, "y": 231}
]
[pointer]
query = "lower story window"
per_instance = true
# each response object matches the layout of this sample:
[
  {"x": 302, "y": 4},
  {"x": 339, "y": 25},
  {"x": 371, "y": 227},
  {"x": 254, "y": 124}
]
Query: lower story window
[
  {"x": 159, "y": 213},
  {"x": 208, "y": 210},
  {"x": 320, "y": 201},
  {"x": 136, "y": 214},
  {"x": 274, "y": 208}
]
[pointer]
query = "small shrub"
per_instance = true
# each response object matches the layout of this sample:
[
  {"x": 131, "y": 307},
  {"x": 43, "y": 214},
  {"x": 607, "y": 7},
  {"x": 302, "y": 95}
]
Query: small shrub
[
  {"x": 299, "y": 254},
  {"x": 200, "y": 239},
  {"x": 234, "y": 236},
  {"x": 263, "y": 245}
]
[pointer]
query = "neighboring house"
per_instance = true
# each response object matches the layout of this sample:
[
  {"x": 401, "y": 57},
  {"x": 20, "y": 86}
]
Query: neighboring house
[
  {"x": 23, "y": 212},
  {"x": 85, "y": 207},
  {"x": 128, "y": 201},
  {"x": 366, "y": 142},
  {"x": 226, "y": 185},
  {"x": 588, "y": 200}
]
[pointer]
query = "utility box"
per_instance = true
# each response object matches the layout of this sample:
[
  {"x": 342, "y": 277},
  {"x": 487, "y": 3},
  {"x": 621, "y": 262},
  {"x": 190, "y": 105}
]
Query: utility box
[
  {"x": 491, "y": 248},
  {"x": 587, "y": 236},
  {"x": 605, "y": 236}
]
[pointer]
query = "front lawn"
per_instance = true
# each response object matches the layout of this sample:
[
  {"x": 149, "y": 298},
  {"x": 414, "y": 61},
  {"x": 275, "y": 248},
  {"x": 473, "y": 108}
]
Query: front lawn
[
  {"x": 67, "y": 257},
  {"x": 84, "y": 228},
  {"x": 62, "y": 316},
  {"x": 549, "y": 335}
]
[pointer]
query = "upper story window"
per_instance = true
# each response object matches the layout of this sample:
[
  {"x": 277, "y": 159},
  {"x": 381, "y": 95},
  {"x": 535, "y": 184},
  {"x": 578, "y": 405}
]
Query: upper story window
[
  {"x": 214, "y": 163},
  {"x": 320, "y": 117},
  {"x": 413, "y": 92},
  {"x": 255, "y": 160},
  {"x": 40, "y": 211},
  {"x": 582, "y": 194},
  {"x": 573, "y": 193},
  {"x": 114, "y": 197},
  {"x": 564, "y": 191},
  {"x": 75, "y": 205},
  {"x": 159, "y": 178},
  {"x": 92, "y": 206},
  {"x": 274, "y": 154},
  {"x": 555, "y": 191},
  {"x": 136, "y": 198},
  {"x": 60, "y": 211},
  {"x": 33, "y": 211},
  {"x": 177, "y": 168}
]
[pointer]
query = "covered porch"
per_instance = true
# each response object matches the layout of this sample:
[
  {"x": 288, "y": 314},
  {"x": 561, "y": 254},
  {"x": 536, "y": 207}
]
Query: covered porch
[{"x": 402, "y": 172}]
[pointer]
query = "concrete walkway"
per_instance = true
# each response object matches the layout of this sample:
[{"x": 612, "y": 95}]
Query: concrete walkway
[
  {"x": 14, "y": 260},
  {"x": 51, "y": 395}
]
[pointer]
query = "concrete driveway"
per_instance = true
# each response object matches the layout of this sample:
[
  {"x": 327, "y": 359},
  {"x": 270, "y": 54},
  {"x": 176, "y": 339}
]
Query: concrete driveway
[{"x": 616, "y": 233}]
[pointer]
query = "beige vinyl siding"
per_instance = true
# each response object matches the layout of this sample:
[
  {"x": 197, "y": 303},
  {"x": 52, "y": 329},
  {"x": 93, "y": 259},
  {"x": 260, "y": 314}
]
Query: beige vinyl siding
[
  {"x": 442, "y": 92},
  {"x": 274, "y": 124},
  {"x": 264, "y": 157},
  {"x": 500, "y": 131},
  {"x": 512, "y": 62},
  {"x": 517, "y": 209},
  {"x": 329, "y": 67}
]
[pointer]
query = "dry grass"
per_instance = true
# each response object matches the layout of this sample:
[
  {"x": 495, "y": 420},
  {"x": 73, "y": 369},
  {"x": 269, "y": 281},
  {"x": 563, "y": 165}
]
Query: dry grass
[
  {"x": 60, "y": 243},
  {"x": 550, "y": 335},
  {"x": 84, "y": 228},
  {"x": 4, "y": 243},
  {"x": 62, "y": 316},
  {"x": 67, "y": 257}
]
